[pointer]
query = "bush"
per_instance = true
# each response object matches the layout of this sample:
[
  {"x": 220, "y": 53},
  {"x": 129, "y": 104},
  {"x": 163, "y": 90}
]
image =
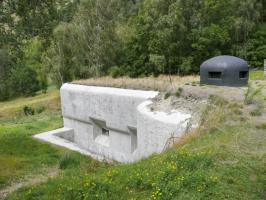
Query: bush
[
  {"x": 167, "y": 95},
  {"x": 179, "y": 92},
  {"x": 28, "y": 110},
  {"x": 23, "y": 81},
  {"x": 115, "y": 72}
]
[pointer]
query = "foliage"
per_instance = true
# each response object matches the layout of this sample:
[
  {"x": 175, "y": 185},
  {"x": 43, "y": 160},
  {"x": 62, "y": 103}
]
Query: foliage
[
  {"x": 16, "y": 80},
  {"x": 179, "y": 92},
  {"x": 5, "y": 71},
  {"x": 87, "y": 46},
  {"x": 28, "y": 110},
  {"x": 167, "y": 95},
  {"x": 257, "y": 47},
  {"x": 32, "y": 58},
  {"x": 26, "y": 33},
  {"x": 115, "y": 72},
  {"x": 24, "y": 81},
  {"x": 64, "y": 40}
]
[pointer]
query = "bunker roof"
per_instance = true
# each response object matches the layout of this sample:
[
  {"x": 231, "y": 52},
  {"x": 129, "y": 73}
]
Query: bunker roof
[{"x": 224, "y": 62}]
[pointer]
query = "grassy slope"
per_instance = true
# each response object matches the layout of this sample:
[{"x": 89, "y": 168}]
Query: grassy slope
[
  {"x": 224, "y": 162},
  {"x": 21, "y": 155}
]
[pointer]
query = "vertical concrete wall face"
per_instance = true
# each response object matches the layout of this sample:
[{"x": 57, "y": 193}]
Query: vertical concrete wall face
[
  {"x": 157, "y": 130},
  {"x": 116, "y": 124}
]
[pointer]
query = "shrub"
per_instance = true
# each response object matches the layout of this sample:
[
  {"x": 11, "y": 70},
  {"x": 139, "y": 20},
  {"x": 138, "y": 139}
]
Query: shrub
[
  {"x": 23, "y": 81},
  {"x": 167, "y": 95},
  {"x": 179, "y": 92},
  {"x": 28, "y": 110},
  {"x": 115, "y": 72}
]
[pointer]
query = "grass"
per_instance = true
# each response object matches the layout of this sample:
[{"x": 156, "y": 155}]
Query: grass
[
  {"x": 68, "y": 160},
  {"x": 220, "y": 165},
  {"x": 252, "y": 93},
  {"x": 261, "y": 126},
  {"x": 161, "y": 83},
  {"x": 257, "y": 75},
  {"x": 20, "y": 154},
  {"x": 257, "y": 111},
  {"x": 219, "y": 160},
  {"x": 14, "y": 108}
]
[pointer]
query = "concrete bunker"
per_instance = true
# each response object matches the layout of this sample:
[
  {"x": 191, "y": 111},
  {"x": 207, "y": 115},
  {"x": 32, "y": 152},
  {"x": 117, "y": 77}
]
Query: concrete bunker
[
  {"x": 224, "y": 71},
  {"x": 114, "y": 124}
]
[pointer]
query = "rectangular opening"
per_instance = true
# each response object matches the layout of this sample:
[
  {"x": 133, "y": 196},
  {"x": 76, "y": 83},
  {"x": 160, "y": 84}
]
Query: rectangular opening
[
  {"x": 215, "y": 75},
  {"x": 105, "y": 132},
  {"x": 134, "y": 138},
  {"x": 243, "y": 74}
]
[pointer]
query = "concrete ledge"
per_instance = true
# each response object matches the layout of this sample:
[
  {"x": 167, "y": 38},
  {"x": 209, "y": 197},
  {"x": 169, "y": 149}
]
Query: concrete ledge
[{"x": 53, "y": 138}]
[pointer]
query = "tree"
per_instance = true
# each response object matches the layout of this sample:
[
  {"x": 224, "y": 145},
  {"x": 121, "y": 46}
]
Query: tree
[
  {"x": 32, "y": 58},
  {"x": 23, "y": 81},
  {"x": 256, "y": 47},
  {"x": 88, "y": 45},
  {"x": 5, "y": 71}
]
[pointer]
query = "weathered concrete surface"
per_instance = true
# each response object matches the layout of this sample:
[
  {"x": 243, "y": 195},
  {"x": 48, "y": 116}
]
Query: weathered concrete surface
[
  {"x": 156, "y": 130},
  {"x": 115, "y": 124}
]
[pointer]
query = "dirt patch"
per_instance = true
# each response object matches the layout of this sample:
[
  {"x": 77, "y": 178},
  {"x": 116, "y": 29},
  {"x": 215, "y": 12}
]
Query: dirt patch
[{"x": 30, "y": 181}]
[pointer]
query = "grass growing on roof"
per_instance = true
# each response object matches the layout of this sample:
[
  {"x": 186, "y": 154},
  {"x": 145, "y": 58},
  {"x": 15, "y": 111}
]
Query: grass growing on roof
[{"x": 161, "y": 83}]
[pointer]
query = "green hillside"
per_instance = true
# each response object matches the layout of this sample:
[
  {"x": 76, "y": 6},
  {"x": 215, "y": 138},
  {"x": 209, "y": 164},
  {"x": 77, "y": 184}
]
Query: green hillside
[{"x": 223, "y": 159}]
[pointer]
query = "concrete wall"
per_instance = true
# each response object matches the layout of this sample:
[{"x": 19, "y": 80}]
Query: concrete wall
[
  {"x": 157, "y": 130},
  {"x": 116, "y": 124},
  {"x": 89, "y": 109}
]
